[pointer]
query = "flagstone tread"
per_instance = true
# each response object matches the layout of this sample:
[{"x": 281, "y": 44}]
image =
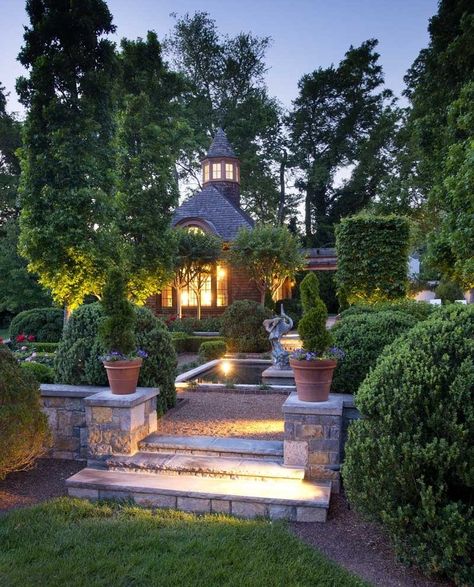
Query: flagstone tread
[
  {"x": 216, "y": 466},
  {"x": 212, "y": 445},
  {"x": 100, "y": 483}
]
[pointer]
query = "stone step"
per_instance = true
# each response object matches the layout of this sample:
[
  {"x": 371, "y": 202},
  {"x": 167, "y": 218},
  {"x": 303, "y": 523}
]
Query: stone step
[
  {"x": 301, "y": 501},
  {"x": 213, "y": 446},
  {"x": 204, "y": 466}
]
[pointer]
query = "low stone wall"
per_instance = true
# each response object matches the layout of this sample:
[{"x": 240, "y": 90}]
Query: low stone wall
[
  {"x": 315, "y": 434},
  {"x": 64, "y": 405},
  {"x": 90, "y": 423}
]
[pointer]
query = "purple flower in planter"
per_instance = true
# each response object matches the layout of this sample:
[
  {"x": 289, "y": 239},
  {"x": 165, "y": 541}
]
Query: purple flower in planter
[{"x": 142, "y": 354}]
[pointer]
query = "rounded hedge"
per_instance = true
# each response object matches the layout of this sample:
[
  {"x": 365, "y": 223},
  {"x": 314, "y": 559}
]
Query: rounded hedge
[
  {"x": 24, "y": 432},
  {"x": 363, "y": 338},
  {"x": 419, "y": 310},
  {"x": 46, "y": 324},
  {"x": 242, "y": 327},
  {"x": 410, "y": 459},
  {"x": 42, "y": 373},
  {"x": 213, "y": 349},
  {"x": 77, "y": 359}
]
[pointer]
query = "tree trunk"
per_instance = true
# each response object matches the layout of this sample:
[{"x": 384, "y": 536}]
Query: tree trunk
[
  {"x": 179, "y": 310},
  {"x": 67, "y": 314},
  {"x": 198, "y": 296},
  {"x": 281, "y": 205},
  {"x": 307, "y": 217},
  {"x": 263, "y": 293}
]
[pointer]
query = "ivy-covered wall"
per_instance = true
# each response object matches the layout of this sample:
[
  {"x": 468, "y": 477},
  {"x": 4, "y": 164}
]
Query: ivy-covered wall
[{"x": 372, "y": 257}]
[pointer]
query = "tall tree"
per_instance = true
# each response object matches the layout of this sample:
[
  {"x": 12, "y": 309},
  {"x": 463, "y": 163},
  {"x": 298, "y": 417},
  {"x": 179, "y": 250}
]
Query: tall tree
[
  {"x": 68, "y": 160},
  {"x": 151, "y": 130},
  {"x": 19, "y": 290},
  {"x": 342, "y": 117},
  {"x": 227, "y": 89}
]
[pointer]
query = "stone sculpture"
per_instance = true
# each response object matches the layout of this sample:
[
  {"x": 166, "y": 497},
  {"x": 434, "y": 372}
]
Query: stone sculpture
[{"x": 278, "y": 327}]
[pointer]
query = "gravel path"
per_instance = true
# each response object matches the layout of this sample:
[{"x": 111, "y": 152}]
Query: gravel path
[{"x": 226, "y": 414}]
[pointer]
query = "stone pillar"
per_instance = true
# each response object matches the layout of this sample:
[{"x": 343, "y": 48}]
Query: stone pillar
[
  {"x": 313, "y": 434},
  {"x": 117, "y": 423}
]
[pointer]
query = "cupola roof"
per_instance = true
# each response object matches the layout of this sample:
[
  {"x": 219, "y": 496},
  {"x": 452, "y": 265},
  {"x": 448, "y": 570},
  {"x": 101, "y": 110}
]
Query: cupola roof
[{"x": 220, "y": 146}]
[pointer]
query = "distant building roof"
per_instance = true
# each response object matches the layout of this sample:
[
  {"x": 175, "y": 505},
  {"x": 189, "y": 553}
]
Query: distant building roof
[
  {"x": 220, "y": 146},
  {"x": 211, "y": 206}
]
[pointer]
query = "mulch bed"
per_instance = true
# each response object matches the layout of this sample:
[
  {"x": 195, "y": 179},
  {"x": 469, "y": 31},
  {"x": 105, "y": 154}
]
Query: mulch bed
[
  {"x": 359, "y": 546},
  {"x": 43, "y": 482}
]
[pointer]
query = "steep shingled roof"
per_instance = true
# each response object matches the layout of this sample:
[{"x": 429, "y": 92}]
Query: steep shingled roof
[
  {"x": 212, "y": 206},
  {"x": 220, "y": 146}
]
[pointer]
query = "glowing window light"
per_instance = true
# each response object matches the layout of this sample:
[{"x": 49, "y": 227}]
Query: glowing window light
[
  {"x": 229, "y": 171},
  {"x": 206, "y": 172},
  {"x": 216, "y": 171}
]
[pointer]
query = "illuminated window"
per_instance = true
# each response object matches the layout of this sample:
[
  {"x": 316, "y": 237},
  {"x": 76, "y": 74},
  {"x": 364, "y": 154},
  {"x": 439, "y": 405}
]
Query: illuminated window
[
  {"x": 189, "y": 295},
  {"x": 222, "y": 298},
  {"x": 237, "y": 173},
  {"x": 229, "y": 171},
  {"x": 167, "y": 297},
  {"x": 216, "y": 171},
  {"x": 206, "y": 172},
  {"x": 194, "y": 229}
]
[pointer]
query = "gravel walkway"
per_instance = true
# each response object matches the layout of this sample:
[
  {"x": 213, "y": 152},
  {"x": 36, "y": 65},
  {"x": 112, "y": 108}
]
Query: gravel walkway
[{"x": 226, "y": 414}]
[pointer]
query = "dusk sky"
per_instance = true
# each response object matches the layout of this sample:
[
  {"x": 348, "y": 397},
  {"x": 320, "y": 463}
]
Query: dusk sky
[{"x": 306, "y": 33}]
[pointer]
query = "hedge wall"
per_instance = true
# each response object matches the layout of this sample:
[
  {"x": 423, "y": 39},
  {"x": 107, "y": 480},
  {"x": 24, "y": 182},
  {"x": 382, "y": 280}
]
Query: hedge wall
[{"x": 372, "y": 258}]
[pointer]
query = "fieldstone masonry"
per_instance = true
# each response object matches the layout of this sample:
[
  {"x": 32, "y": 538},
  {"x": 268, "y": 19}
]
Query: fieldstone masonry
[
  {"x": 117, "y": 423},
  {"x": 314, "y": 435},
  {"x": 91, "y": 423}
]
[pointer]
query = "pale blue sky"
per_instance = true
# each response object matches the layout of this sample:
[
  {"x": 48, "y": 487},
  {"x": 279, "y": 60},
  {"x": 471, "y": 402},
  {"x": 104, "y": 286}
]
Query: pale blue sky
[{"x": 306, "y": 33}]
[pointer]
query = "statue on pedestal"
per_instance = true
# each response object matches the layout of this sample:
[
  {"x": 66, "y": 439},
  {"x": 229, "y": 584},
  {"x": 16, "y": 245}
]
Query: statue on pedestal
[{"x": 278, "y": 327}]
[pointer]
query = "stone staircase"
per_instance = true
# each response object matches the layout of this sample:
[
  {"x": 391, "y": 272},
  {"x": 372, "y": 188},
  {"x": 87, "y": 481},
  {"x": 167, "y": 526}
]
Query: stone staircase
[{"x": 204, "y": 474}]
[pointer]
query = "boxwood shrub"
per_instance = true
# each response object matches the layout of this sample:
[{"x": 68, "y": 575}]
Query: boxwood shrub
[
  {"x": 419, "y": 310},
  {"x": 213, "y": 349},
  {"x": 242, "y": 327},
  {"x": 42, "y": 373},
  {"x": 410, "y": 459},
  {"x": 46, "y": 324},
  {"x": 77, "y": 359},
  {"x": 363, "y": 337},
  {"x": 24, "y": 432}
]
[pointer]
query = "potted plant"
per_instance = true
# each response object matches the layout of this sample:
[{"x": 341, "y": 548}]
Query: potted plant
[
  {"x": 314, "y": 364},
  {"x": 122, "y": 361}
]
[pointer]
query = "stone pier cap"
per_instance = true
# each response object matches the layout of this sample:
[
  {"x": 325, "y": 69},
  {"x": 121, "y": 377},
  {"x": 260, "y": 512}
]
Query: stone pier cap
[{"x": 332, "y": 407}]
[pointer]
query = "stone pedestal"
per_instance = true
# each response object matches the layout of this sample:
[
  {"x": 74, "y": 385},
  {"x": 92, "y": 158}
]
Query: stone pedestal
[
  {"x": 313, "y": 433},
  {"x": 117, "y": 423},
  {"x": 274, "y": 376}
]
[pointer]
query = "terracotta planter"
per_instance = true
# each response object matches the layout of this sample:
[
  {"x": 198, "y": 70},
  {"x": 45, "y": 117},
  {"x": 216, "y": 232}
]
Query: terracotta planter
[
  {"x": 313, "y": 379},
  {"x": 123, "y": 375}
]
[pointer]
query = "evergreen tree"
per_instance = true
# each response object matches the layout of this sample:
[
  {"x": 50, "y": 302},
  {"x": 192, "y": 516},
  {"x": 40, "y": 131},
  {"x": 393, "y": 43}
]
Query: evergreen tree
[
  {"x": 68, "y": 160},
  {"x": 151, "y": 131}
]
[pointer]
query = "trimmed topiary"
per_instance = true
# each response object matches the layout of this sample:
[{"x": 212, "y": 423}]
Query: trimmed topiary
[
  {"x": 42, "y": 373},
  {"x": 410, "y": 459},
  {"x": 213, "y": 349},
  {"x": 77, "y": 359},
  {"x": 24, "y": 432},
  {"x": 309, "y": 292},
  {"x": 45, "y": 324},
  {"x": 242, "y": 327},
  {"x": 363, "y": 338},
  {"x": 312, "y": 328}
]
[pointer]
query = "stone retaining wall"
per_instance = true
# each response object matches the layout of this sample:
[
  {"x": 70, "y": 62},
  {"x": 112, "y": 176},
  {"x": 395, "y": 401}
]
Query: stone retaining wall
[{"x": 89, "y": 422}]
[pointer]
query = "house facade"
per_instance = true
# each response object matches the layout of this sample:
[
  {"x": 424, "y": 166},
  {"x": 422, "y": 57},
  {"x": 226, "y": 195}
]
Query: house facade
[{"x": 216, "y": 209}]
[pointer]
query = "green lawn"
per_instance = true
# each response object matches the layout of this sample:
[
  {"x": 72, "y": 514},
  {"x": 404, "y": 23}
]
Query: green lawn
[{"x": 72, "y": 542}]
